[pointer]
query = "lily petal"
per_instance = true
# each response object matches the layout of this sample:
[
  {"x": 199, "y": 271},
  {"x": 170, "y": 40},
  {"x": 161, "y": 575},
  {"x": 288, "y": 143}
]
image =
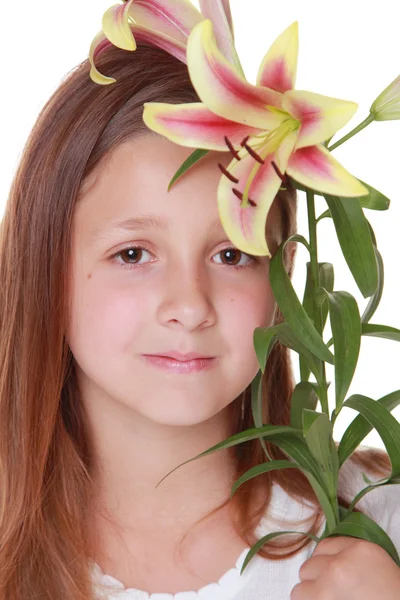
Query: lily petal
[
  {"x": 320, "y": 116},
  {"x": 316, "y": 168},
  {"x": 141, "y": 34},
  {"x": 221, "y": 87},
  {"x": 99, "y": 43},
  {"x": 279, "y": 67},
  {"x": 174, "y": 18},
  {"x": 246, "y": 226},
  {"x": 224, "y": 5},
  {"x": 220, "y": 14},
  {"x": 160, "y": 40},
  {"x": 194, "y": 125},
  {"x": 116, "y": 28}
]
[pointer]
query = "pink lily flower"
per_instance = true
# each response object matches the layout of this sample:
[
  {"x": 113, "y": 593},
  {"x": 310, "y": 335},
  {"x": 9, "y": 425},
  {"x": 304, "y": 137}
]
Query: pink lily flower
[
  {"x": 270, "y": 129},
  {"x": 165, "y": 24}
]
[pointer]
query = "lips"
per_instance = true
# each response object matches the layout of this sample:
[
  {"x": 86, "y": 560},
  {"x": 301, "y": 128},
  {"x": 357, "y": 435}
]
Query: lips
[
  {"x": 171, "y": 365},
  {"x": 180, "y": 356}
]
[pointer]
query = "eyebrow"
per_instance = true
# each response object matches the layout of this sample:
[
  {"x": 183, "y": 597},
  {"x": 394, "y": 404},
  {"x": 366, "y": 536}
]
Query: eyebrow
[
  {"x": 142, "y": 222},
  {"x": 145, "y": 222}
]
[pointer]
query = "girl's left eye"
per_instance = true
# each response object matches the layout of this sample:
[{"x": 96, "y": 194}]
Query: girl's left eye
[{"x": 132, "y": 252}]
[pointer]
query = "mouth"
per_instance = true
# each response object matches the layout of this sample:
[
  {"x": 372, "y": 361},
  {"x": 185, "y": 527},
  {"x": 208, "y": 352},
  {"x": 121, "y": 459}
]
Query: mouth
[
  {"x": 172, "y": 365},
  {"x": 180, "y": 357}
]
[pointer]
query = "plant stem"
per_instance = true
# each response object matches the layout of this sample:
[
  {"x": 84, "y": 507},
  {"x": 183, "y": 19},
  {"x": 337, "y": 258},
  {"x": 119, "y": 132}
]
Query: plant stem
[
  {"x": 317, "y": 310},
  {"x": 357, "y": 129}
]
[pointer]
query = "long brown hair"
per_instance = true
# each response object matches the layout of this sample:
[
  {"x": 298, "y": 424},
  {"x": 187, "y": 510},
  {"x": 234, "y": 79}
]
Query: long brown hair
[{"x": 46, "y": 458}]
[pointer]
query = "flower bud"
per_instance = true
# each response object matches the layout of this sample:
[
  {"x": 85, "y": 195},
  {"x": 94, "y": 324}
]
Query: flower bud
[{"x": 387, "y": 105}]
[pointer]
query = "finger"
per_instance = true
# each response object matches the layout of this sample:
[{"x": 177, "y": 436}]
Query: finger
[
  {"x": 314, "y": 567},
  {"x": 305, "y": 591},
  {"x": 334, "y": 545}
]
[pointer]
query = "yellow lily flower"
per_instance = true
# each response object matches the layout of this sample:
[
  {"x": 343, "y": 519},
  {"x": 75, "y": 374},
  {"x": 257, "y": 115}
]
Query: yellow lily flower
[
  {"x": 165, "y": 24},
  {"x": 270, "y": 129}
]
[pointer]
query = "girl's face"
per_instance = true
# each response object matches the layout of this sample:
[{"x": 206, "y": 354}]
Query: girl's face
[{"x": 179, "y": 291}]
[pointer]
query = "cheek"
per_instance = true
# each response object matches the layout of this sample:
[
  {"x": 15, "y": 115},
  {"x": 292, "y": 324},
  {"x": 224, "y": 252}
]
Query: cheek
[
  {"x": 248, "y": 308},
  {"x": 244, "y": 312},
  {"x": 104, "y": 318},
  {"x": 253, "y": 305}
]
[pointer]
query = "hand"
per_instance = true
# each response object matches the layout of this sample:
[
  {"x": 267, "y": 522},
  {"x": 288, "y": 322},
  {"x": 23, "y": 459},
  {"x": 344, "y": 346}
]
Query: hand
[{"x": 347, "y": 568}]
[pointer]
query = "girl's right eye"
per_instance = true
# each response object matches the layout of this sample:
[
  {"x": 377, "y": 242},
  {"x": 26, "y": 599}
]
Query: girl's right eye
[{"x": 132, "y": 251}]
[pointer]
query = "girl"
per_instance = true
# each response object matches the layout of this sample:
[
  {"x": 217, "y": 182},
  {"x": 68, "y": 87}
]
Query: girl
[{"x": 104, "y": 272}]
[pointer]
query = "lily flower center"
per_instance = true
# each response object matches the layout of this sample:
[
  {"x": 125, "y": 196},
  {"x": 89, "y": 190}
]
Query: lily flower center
[{"x": 263, "y": 145}]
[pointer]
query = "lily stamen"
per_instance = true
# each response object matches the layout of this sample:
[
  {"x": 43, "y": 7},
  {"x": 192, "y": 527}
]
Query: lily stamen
[
  {"x": 240, "y": 196},
  {"x": 277, "y": 171},
  {"x": 253, "y": 154},
  {"x": 231, "y": 148},
  {"x": 228, "y": 175}
]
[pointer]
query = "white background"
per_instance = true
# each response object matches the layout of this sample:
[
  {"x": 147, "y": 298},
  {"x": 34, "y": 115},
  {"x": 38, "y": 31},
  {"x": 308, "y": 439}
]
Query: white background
[{"x": 347, "y": 51}]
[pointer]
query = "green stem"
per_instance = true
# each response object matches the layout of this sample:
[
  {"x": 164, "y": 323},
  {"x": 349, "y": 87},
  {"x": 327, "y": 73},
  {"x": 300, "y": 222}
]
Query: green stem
[
  {"x": 357, "y": 129},
  {"x": 317, "y": 310}
]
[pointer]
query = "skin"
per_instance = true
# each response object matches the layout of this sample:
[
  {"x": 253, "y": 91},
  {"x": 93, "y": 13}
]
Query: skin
[
  {"x": 344, "y": 568},
  {"x": 144, "y": 421}
]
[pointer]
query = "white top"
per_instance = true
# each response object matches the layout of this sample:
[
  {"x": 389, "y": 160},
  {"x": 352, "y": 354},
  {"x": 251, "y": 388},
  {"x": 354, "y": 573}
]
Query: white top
[{"x": 273, "y": 579}]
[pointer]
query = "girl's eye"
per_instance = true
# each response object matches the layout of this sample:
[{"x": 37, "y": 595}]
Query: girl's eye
[{"x": 134, "y": 253}]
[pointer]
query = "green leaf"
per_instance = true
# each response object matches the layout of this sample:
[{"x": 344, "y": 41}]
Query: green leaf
[
  {"x": 381, "y": 331},
  {"x": 268, "y": 432},
  {"x": 256, "y": 407},
  {"x": 303, "y": 396},
  {"x": 298, "y": 450},
  {"x": 288, "y": 338},
  {"x": 326, "y": 277},
  {"x": 260, "y": 470},
  {"x": 256, "y": 400},
  {"x": 326, "y": 281},
  {"x": 264, "y": 340},
  {"x": 308, "y": 292},
  {"x": 291, "y": 308},
  {"x": 355, "y": 240},
  {"x": 373, "y": 237},
  {"x": 375, "y": 330},
  {"x": 385, "y": 424},
  {"x": 376, "y": 298},
  {"x": 324, "y": 215},
  {"x": 360, "y": 427},
  {"x": 346, "y": 332},
  {"x": 359, "y": 525},
  {"x": 290, "y": 441},
  {"x": 374, "y": 200},
  {"x": 270, "y": 536},
  {"x": 326, "y": 503},
  {"x": 308, "y": 307},
  {"x": 317, "y": 430},
  {"x": 373, "y": 484},
  {"x": 188, "y": 164}
]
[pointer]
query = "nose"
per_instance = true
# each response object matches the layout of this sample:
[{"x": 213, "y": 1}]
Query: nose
[{"x": 186, "y": 300}]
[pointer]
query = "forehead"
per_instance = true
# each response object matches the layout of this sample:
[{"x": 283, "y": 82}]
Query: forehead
[{"x": 130, "y": 188}]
